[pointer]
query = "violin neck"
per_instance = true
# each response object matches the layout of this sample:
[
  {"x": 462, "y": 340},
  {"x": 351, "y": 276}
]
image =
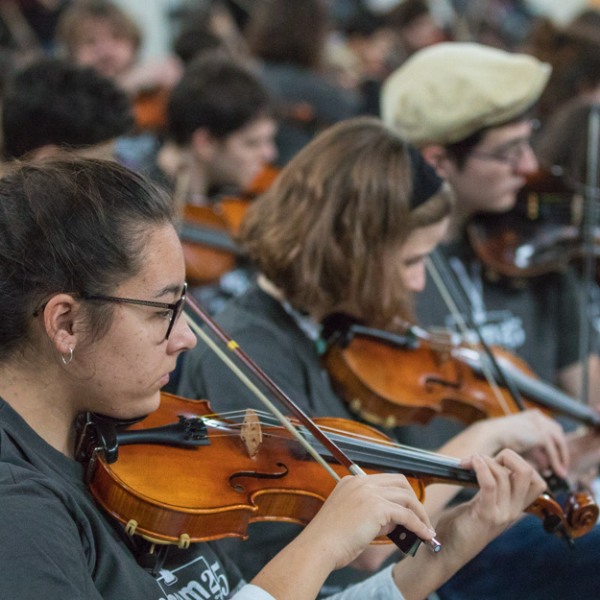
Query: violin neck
[
  {"x": 208, "y": 236},
  {"x": 394, "y": 458}
]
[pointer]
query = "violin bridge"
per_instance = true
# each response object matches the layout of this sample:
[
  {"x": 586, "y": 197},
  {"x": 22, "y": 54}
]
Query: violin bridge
[{"x": 251, "y": 433}]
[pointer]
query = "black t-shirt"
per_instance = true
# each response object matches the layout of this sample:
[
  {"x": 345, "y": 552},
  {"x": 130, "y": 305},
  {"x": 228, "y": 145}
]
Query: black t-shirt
[
  {"x": 56, "y": 544},
  {"x": 536, "y": 318},
  {"x": 271, "y": 337}
]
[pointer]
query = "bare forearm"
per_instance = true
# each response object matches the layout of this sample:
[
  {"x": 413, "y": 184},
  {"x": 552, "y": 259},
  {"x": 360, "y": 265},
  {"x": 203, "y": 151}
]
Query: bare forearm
[
  {"x": 418, "y": 577},
  {"x": 297, "y": 572}
]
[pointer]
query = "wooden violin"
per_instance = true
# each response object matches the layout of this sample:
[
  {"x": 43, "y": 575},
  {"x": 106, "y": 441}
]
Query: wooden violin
[
  {"x": 208, "y": 232},
  {"x": 541, "y": 234},
  {"x": 184, "y": 474},
  {"x": 391, "y": 380}
]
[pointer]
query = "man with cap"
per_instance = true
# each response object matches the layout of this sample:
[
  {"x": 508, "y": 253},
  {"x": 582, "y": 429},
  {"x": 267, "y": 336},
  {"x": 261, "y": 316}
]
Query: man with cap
[{"x": 467, "y": 107}]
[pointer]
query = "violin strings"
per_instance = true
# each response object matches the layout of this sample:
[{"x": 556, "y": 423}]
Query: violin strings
[
  {"x": 366, "y": 442},
  {"x": 254, "y": 389}
]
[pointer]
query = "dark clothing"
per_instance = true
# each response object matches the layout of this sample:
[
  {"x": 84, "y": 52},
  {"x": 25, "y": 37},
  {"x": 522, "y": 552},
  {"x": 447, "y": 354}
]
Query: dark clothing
[
  {"x": 527, "y": 563},
  {"x": 56, "y": 544},
  {"x": 308, "y": 103},
  {"x": 536, "y": 318},
  {"x": 270, "y": 336}
]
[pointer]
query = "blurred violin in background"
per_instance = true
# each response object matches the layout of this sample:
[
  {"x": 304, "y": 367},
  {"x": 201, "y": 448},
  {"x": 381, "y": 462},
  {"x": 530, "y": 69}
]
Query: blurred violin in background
[
  {"x": 541, "y": 234},
  {"x": 391, "y": 380},
  {"x": 207, "y": 232}
]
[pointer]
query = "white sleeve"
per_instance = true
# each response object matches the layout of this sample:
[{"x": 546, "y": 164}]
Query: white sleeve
[
  {"x": 378, "y": 587},
  {"x": 252, "y": 592}
]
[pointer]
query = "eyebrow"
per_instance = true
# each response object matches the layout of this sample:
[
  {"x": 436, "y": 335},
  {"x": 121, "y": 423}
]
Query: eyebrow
[
  {"x": 169, "y": 290},
  {"x": 415, "y": 259}
]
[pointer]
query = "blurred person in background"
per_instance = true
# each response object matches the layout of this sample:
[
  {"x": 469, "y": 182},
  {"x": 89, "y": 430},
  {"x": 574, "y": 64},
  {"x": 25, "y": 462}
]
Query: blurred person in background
[
  {"x": 289, "y": 37},
  {"x": 222, "y": 135},
  {"x": 53, "y": 106}
]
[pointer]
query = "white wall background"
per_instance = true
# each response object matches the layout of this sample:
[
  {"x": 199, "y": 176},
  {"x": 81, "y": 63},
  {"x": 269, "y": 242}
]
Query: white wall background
[{"x": 152, "y": 17}]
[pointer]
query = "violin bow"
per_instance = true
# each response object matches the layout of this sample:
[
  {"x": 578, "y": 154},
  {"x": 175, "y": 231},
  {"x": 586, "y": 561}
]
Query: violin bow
[
  {"x": 589, "y": 223},
  {"x": 452, "y": 289},
  {"x": 459, "y": 304},
  {"x": 404, "y": 539}
]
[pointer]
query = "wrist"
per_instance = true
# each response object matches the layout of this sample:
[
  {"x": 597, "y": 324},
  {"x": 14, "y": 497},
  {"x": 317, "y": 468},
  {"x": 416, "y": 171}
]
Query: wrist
[
  {"x": 479, "y": 438},
  {"x": 418, "y": 577}
]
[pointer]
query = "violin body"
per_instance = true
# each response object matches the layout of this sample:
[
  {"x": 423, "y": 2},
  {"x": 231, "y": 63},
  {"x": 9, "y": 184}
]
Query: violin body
[
  {"x": 207, "y": 239},
  {"x": 236, "y": 475},
  {"x": 208, "y": 231},
  {"x": 150, "y": 109},
  {"x": 214, "y": 490},
  {"x": 393, "y": 380},
  {"x": 394, "y": 386}
]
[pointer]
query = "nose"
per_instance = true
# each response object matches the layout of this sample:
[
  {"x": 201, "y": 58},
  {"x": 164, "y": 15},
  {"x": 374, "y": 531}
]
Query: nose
[
  {"x": 182, "y": 337},
  {"x": 269, "y": 151},
  {"x": 528, "y": 162},
  {"x": 416, "y": 278}
]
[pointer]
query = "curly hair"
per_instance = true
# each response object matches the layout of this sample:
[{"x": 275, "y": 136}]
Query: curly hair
[{"x": 56, "y": 103}]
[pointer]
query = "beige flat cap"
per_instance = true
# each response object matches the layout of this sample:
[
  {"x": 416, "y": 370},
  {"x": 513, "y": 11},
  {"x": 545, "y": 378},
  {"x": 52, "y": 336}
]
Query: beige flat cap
[{"x": 446, "y": 92}]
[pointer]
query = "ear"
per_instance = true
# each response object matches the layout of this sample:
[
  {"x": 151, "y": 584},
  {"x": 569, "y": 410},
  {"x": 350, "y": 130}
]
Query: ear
[
  {"x": 203, "y": 144},
  {"x": 59, "y": 320},
  {"x": 437, "y": 157}
]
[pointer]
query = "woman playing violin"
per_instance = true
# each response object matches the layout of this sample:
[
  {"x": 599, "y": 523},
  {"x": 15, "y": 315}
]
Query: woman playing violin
[
  {"x": 345, "y": 228},
  {"x": 92, "y": 293}
]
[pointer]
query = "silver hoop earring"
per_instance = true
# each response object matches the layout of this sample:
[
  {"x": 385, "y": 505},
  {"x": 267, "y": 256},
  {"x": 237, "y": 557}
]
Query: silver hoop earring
[{"x": 70, "y": 356}]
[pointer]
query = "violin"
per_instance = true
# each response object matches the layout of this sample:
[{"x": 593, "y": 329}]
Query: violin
[
  {"x": 206, "y": 235},
  {"x": 184, "y": 474},
  {"x": 150, "y": 109},
  {"x": 391, "y": 380},
  {"x": 207, "y": 232},
  {"x": 540, "y": 235}
]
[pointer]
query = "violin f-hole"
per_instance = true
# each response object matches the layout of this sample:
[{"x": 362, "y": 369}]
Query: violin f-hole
[{"x": 238, "y": 486}]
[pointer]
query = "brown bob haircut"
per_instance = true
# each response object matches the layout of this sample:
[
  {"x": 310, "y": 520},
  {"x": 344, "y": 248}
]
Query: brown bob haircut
[
  {"x": 328, "y": 231},
  {"x": 70, "y": 23}
]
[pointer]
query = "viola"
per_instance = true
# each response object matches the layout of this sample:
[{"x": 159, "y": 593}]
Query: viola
[
  {"x": 541, "y": 234},
  {"x": 184, "y": 474},
  {"x": 207, "y": 232},
  {"x": 391, "y": 380},
  {"x": 150, "y": 109}
]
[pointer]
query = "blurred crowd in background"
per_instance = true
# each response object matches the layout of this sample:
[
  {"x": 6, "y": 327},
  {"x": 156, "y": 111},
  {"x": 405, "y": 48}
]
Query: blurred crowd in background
[{"x": 322, "y": 60}]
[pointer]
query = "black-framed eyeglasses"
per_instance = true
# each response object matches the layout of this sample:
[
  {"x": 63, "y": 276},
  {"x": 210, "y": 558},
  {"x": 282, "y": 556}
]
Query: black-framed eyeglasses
[
  {"x": 176, "y": 309},
  {"x": 512, "y": 153}
]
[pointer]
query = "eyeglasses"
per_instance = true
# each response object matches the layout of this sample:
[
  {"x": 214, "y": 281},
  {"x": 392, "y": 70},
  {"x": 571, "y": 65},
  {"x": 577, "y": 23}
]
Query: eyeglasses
[
  {"x": 511, "y": 155},
  {"x": 176, "y": 309}
]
